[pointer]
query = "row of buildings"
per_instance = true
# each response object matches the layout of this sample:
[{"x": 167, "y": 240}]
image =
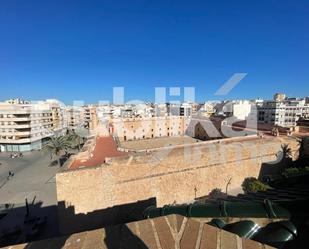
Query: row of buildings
[
  {"x": 147, "y": 110},
  {"x": 24, "y": 126},
  {"x": 281, "y": 111}
]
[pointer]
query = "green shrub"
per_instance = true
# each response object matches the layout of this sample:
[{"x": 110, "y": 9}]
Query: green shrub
[
  {"x": 252, "y": 185},
  {"x": 216, "y": 193},
  {"x": 295, "y": 171}
]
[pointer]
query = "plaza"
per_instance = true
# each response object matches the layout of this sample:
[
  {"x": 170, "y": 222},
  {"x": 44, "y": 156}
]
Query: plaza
[{"x": 32, "y": 178}]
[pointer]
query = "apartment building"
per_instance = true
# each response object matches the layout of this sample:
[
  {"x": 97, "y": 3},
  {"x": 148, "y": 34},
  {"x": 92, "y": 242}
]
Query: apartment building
[
  {"x": 283, "y": 113},
  {"x": 59, "y": 115},
  {"x": 75, "y": 116},
  {"x": 184, "y": 109},
  {"x": 82, "y": 116},
  {"x": 23, "y": 127},
  {"x": 105, "y": 111},
  {"x": 91, "y": 119}
]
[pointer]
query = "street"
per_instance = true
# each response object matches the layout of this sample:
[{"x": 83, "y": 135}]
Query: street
[{"x": 33, "y": 177}]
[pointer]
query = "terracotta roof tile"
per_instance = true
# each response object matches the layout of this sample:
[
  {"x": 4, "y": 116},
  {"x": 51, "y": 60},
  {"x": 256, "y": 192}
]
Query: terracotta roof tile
[
  {"x": 209, "y": 237},
  {"x": 142, "y": 234}
]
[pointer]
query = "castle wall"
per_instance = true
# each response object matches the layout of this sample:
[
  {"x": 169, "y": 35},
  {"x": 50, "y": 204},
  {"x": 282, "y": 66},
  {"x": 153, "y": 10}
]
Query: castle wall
[{"x": 168, "y": 176}]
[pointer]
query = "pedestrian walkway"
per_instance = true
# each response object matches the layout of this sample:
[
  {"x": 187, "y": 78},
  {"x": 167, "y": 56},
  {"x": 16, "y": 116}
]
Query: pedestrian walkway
[{"x": 104, "y": 147}]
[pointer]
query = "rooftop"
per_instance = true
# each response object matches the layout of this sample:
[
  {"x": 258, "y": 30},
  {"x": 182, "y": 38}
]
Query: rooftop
[{"x": 162, "y": 232}]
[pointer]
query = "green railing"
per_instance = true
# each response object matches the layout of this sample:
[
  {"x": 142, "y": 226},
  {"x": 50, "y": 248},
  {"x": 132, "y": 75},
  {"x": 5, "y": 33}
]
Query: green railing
[{"x": 248, "y": 209}]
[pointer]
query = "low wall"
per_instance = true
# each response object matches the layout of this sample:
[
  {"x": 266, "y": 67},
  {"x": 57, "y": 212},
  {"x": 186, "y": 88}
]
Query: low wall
[
  {"x": 165, "y": 176},
  {"x": 303, "y": 129}
]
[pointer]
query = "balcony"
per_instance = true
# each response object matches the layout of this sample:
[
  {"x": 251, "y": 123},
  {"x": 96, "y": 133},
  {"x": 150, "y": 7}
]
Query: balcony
[
  {"x": 16, "y": 126},
  {"x": 15, "y": 141},
  {"x": 15, "y": 133},
  {"x": 15, "y": 119}
]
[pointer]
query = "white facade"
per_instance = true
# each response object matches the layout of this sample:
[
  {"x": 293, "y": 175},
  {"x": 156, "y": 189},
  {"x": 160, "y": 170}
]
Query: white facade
[
  {"x": 184, "y": 109},
  {"x": 23, "y": 127},
  {"x": 242, "y": 109},
  {"x": 126, "y": 111},
  {"x": 279, "y": 97},
  {"x": 283, "y": 113},
  {"x": 75, "y": 116}
]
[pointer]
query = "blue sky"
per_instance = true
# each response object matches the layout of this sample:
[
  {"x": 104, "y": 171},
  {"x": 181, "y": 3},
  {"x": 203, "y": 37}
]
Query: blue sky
[{"x": 79, "y": 50}]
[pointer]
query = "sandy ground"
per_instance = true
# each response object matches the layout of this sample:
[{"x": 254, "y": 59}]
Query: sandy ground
[{"x": 157, "y": 142}]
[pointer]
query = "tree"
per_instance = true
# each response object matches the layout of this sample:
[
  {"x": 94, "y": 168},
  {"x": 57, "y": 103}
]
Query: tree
[
  {"x": 216, "y": 193},
  {"x": 287, "y": 155},
  {"x": 286, "y": 150},
  {"x": 252, "y": 185},
  {"x": 78, "y": 136},
  {"x": 57, "y": 145},
  {"x": 75, "y": 140}
]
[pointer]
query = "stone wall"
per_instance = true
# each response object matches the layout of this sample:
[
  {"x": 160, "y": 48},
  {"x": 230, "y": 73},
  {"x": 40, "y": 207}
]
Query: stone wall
[
  {"x": 165, "y": 176},
  {"x": 127, "y": 129}
]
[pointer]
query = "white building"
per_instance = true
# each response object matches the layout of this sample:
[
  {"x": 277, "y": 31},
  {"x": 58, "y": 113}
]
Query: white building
[
  {"x": 279, "y": 96},
  {"x": 184, "y": 109},
  {"x": 59, "y": 115},
  {"x": 82, "y": 117},
  {"x": 283, "y": 113},
  {"x": 75, "y": 116},
  {"x": 23, "y": 127},
  {"x": 242, "y": 109}
]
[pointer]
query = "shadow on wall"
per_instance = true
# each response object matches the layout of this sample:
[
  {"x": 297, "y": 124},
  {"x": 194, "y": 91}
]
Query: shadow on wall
[
  {"x": 200, "y": 131},
  {"x": 69, "y": 222},
  {"x": 277, "y": 167},
  {"x": 112, "y": 237},
  {"x": 120, "y": 236},
  {"x": 21, "y": 228},
  {"x": 272, "y": 168}
]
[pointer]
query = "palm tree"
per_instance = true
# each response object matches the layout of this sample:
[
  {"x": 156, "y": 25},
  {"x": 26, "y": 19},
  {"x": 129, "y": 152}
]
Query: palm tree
[
  {"x": 56, "y": 145},
  {"x": 287, "y": 155},
  {"x": 286, "y": 150},
  {"x": 75, "y": 140}
]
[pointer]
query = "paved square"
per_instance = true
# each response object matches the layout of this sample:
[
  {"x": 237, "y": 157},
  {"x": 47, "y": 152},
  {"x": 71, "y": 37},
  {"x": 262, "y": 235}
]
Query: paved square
[{"x": 34, "y": 179}]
